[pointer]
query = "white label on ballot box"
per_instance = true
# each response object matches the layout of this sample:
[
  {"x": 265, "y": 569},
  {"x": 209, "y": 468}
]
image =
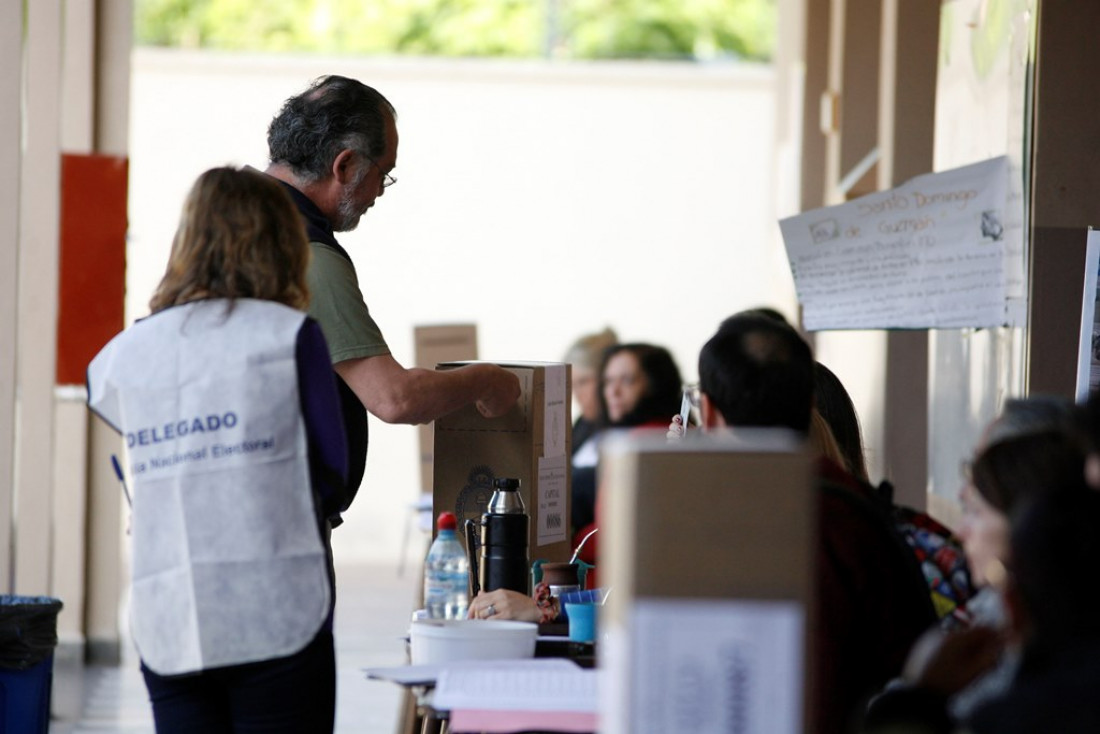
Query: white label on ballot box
[
  {"x": 711, "y": 666},
  {"x": 554, "y": 415},
  {"x": 551, "y": 499}
]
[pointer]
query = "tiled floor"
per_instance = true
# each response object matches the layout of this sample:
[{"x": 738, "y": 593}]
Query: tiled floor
[{"x": 373, "y": 607}]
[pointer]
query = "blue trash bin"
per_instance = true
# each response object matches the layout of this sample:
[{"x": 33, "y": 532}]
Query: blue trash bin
[{"x": 28, "y": 636}]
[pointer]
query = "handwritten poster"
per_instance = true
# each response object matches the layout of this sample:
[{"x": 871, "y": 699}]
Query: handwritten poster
[{"x": 931, "y": 253}]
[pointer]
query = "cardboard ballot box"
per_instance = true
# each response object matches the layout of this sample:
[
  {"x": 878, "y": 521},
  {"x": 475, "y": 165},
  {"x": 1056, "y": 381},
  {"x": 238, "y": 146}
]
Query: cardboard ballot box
[
  {"x": 706, "y": 553},
  {"x": 532, "y": 442},
  {"x": 436, "y": 344}
]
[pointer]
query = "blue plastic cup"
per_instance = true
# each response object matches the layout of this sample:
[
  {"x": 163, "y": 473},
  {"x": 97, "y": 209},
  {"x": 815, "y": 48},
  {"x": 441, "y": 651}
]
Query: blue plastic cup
[{"x": 582, "y": 621}]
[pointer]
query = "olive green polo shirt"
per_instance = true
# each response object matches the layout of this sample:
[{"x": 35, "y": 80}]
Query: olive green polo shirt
[{"x": 337, "y": 304}]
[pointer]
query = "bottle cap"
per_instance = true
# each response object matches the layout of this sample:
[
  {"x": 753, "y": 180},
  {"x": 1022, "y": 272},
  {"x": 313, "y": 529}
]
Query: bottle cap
[
  {"x": 506, "y": 483},
  {"x": 446, "y": 521}
]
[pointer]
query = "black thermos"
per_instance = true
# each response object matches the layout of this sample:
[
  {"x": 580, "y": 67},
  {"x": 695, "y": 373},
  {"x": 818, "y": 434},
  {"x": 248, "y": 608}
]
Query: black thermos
[{"x": 504, "y": 562}]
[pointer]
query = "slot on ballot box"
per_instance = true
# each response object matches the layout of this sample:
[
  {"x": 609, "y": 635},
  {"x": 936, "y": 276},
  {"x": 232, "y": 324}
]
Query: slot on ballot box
[{"x": 707, "y": 557}]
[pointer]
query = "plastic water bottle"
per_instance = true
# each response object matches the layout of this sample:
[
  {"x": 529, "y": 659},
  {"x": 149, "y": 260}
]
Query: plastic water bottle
[{"x": 446, "y": 573}]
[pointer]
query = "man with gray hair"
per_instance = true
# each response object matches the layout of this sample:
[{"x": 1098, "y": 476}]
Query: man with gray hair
[{"x": 334, "y": 147}]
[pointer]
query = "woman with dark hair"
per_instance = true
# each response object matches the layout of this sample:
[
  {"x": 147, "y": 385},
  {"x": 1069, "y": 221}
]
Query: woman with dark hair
[
  {"x": 1026, "y": 453},
  {"x": 1029, "y": 447},
  {"x": 1050, "y": 549},
  {"x": 835, "y": 406},
  {"x": 236, "y": 449},
  {"x": 640, "y": 386},
  {"x": 1028, "y": 450}
]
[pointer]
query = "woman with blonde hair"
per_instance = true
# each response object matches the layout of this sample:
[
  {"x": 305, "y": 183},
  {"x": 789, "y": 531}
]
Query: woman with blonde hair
[{"x": 227, "y": 402}]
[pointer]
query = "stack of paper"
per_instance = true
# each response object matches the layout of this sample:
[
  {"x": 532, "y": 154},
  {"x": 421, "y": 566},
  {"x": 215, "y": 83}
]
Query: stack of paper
[{"x": 543, "y": 695}]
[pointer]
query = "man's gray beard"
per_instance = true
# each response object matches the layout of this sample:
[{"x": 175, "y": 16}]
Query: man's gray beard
[{"x": 349, "y": 217}]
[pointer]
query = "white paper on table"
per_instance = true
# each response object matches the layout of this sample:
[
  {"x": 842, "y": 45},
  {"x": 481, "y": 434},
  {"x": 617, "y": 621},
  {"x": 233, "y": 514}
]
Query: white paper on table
[
  {"x": 1087, "y": 363},
  {"x": 552, "y": 521},
  {"x": 538, "y": 685},
  {"x": 711, "y": 666},
  {"x": 428, "y": 674},
  {"x": 930, "y": 253},
  {"x": 554, "y": 422}
]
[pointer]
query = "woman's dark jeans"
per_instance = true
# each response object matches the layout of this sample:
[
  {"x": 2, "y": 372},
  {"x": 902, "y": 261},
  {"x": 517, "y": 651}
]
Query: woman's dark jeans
[{"x": 289, "y": 695}]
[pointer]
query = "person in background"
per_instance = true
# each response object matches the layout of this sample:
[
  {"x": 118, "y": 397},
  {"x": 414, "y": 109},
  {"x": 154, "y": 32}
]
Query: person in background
[
  {"x": 1052, "y": 553},
  {"x": 229, "y": 406},
  {"x": 822, "y": 441},
  {"x": 585, "y": 356},
  {"x": 835, "y": 405},
  {"x": 1030, "y": 449},
  {"x": 640, "y": 385},
  {"x": 334, "y": 147}
]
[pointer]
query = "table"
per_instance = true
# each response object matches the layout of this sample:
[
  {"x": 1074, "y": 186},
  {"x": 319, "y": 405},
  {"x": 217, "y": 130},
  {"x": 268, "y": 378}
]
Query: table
[{"x": 420, "y": 717}]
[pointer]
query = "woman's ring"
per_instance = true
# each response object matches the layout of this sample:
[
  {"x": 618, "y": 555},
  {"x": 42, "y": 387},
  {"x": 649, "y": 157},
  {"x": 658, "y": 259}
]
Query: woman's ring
[{"x": 490, "y": 610}]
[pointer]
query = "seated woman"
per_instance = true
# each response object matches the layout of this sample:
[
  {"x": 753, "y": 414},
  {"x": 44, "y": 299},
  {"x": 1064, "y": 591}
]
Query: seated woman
[
  {"x": 1027, "y": 452},
  {"x": 834, "y": 405},
  {"x": 640, "y": 387},
  {"x": 1051, "y": 547}
]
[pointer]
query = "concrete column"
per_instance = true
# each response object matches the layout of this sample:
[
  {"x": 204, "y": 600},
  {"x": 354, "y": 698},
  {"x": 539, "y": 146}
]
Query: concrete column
[
  {"x": 107, "y": 572},
  {"x": 114, "y": 41},
  {"x": 78, "y": 66},
  {"x": 67, "y": 561},
  {"x": 816, "y": 97},
  {"x": 11, "y": 65},
  {"x": 906, "y": 124},
  {"x": 70, "y": 429},
  {"x": 1064, "y": 204},
  {"x": 36, "y": 339},
  {"x": 848, "y": 118},
  {"x": 790, "y": 74}
]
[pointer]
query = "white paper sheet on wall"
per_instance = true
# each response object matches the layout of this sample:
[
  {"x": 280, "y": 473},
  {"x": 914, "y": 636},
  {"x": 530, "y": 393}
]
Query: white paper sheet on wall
[
  {"x": 551, "y": 498},
  {"x": 931, "y": 253},
  {"x": 717, "y": 666},
  {"x": 1088, "y": 352}
]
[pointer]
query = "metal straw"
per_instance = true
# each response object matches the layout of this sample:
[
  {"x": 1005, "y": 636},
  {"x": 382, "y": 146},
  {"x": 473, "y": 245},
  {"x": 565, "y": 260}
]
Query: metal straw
[{"x": 584, "y": 540}]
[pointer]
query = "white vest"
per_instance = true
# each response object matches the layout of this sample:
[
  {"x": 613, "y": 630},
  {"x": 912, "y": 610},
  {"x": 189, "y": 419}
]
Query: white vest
[{"x": 229, "y": 565}]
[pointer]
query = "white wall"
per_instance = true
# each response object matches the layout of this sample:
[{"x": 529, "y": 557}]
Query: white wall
[{"x": 540, "y": 201}]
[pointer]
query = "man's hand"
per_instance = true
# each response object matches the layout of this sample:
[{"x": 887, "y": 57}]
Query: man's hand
[{"x": 500, "y": 391}]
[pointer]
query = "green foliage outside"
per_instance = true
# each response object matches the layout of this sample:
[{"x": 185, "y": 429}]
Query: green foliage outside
[{"x": 578, "y": 29}]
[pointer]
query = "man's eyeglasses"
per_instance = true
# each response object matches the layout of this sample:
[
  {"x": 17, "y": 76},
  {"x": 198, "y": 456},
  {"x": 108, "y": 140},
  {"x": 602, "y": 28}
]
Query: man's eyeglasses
[{"x": 387, "y": 179}]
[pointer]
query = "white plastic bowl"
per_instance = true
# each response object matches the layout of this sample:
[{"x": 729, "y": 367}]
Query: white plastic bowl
[{"x": 436, "y": 641}]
